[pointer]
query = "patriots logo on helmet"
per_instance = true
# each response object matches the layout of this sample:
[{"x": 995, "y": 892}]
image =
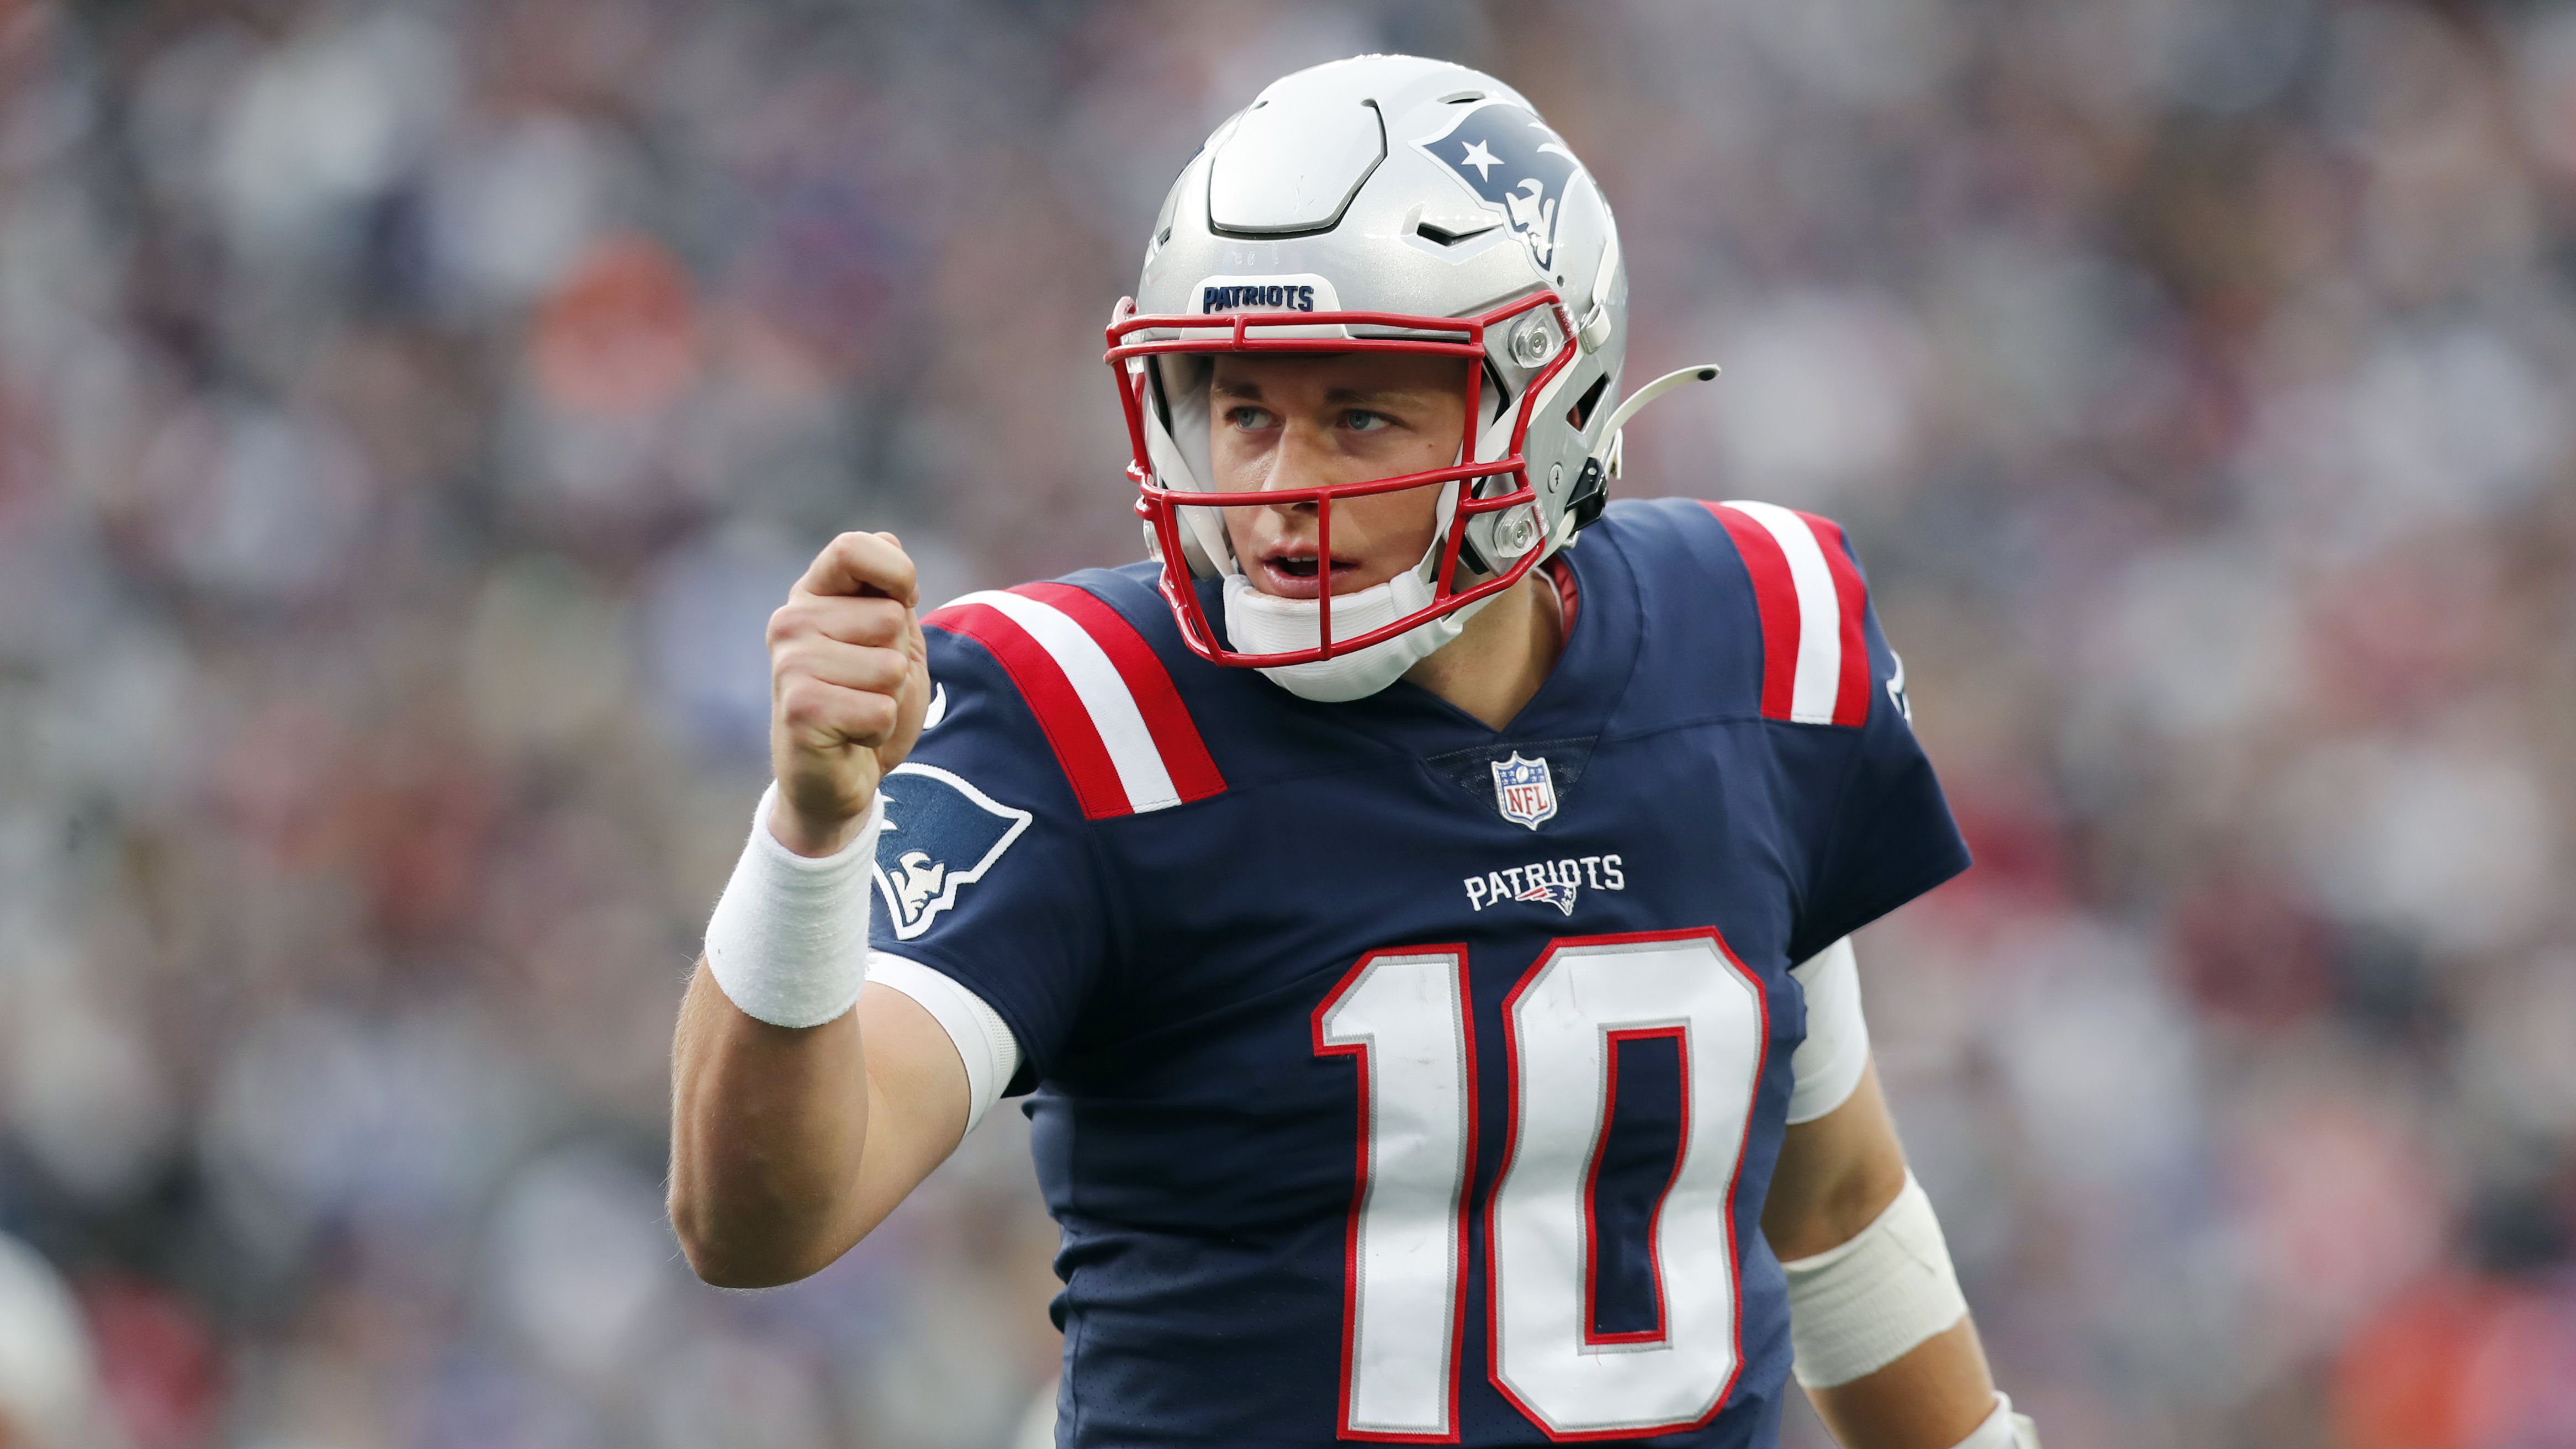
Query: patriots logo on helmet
[
  {"x": 940, "y": 836},
  {"x": 1515, "y": 164}
]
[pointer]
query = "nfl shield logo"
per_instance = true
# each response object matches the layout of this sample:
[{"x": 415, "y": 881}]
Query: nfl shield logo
[{"x": 1523, "y": 790}]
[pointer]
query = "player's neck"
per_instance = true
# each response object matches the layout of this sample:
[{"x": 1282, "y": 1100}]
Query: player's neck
[{"x": 1503, "y": 655}]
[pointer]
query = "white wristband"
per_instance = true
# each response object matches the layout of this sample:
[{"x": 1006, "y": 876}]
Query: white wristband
[
  {"x": 1857, "y": 1308},
  {"x": 789, "y": 938},
  {"x": 2003, "y": 1429}
]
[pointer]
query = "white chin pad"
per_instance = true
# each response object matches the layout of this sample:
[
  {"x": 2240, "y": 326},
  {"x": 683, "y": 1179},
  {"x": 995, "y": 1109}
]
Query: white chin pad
[{"x": 1260, "y": 623}]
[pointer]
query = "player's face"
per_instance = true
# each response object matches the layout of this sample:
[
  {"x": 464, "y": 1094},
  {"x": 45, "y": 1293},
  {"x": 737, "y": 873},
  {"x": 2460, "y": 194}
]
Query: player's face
[{"x": 1303, "y": 421}]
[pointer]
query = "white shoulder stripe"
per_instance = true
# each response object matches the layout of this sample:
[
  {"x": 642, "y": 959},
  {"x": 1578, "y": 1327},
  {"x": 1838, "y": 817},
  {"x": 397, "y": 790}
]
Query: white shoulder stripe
[
  {"x": 1105, "y": 695},
  {"x": 1820, "y": 612}
]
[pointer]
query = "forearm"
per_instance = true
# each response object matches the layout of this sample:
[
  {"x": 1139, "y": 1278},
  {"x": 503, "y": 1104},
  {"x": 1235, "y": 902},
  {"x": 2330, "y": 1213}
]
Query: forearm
[
  {"x": 1932, "y": 1397},
  {"x": 1887, "y": 1351},
  {"x": 807, "y": 1100},
  {"x": 769, "y": 1126}
]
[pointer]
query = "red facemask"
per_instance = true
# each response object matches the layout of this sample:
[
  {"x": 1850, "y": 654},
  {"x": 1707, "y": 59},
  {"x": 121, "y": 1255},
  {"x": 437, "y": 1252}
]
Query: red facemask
[{"x": 1133, "y": 363}]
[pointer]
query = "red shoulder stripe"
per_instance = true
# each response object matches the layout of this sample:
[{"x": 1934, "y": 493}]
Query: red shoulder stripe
[
  {"x": 1051, "y": 697},
  {"x": 1176, "y": 736},
  {"x": 1775, "y": 597}
]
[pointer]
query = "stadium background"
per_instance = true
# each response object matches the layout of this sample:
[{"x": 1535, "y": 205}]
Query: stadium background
[{"x": 409, "y": 412}]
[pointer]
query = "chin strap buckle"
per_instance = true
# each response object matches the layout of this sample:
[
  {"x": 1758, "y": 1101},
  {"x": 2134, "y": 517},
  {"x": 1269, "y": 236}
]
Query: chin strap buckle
[{"x": 1591, "y": 494}]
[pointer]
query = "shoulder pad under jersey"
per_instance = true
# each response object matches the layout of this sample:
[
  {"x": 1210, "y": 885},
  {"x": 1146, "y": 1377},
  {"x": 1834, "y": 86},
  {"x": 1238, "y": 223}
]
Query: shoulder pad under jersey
[
  {"x": 1785, "y": 578},
  {"x": 1098, "y": 694}
]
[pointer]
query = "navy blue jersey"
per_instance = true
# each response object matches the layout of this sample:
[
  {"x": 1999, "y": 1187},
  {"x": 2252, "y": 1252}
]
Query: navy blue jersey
[{"x": 1396, "y": 1078}]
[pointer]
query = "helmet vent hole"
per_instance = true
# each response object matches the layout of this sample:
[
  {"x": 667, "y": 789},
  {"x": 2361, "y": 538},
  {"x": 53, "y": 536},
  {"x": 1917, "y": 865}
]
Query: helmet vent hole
[
  {"x": 1581, "y": 413},
  {"x": 1447, "y": 238},
  {"x": 1462, "y": 98}
]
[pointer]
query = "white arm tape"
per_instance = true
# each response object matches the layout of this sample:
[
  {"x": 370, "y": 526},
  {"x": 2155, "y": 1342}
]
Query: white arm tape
[
  {"x": 1827, "y": 1066},
  {"x": 2003, "y": 1429},
  {"x": 789, "y": 938},
  {"x": 1857, "y": 1308},
  {"x": 984, "y": 1044}
]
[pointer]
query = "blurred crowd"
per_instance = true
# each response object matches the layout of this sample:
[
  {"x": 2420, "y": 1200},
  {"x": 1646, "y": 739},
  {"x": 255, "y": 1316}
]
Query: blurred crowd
[{"x": 410, "y": 411}]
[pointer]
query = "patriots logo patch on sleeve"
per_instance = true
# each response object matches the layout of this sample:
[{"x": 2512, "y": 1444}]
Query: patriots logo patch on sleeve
[
  {"x": 1511, "y": 159},
  {"x": 940, "y": 836}
]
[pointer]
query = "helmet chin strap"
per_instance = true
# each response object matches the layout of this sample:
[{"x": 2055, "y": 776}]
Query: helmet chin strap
[{"x": 1264, "y": 623}]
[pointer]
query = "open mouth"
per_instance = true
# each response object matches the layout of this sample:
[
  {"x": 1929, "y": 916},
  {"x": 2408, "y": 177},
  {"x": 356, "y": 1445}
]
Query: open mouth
[{"x": 1297, "y": 573}]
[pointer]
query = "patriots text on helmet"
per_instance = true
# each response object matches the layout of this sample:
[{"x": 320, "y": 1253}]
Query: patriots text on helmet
[{"x": 1283, "y": 297}]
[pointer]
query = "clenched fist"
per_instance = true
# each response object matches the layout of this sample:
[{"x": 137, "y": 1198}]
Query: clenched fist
[{"x": 848, "y": 683}]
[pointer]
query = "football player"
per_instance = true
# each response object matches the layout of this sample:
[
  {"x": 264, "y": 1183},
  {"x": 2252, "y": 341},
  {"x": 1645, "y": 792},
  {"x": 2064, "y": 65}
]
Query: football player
[{"x": 1423, "y": 941}]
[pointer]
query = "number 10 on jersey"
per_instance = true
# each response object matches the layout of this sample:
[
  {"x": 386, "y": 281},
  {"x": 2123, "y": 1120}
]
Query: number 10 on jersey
[{"x": 1403, "y": 1014}]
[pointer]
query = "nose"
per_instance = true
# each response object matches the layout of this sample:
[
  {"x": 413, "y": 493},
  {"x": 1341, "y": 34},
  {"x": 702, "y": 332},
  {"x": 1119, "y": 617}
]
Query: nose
[{"x": 1299, "y": 461}]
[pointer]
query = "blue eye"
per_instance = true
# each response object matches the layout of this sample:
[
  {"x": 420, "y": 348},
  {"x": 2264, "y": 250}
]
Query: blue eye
[{"x": 1359, "y": 421}]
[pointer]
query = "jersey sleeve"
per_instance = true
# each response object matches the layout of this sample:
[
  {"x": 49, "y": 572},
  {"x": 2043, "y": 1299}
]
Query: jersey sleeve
[
  {"x": 1888, "y": 833},
  {"x": 986, "y": 871},
  {"x": 985, "y": 1046},
  {"x": 1827, "y": 1065}
]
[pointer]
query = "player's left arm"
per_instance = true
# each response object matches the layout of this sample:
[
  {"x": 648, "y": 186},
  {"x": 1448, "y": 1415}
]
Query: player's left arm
[
  {"x": 1885, "y": 1347},
  {"x": 1838, "y": 1176}
]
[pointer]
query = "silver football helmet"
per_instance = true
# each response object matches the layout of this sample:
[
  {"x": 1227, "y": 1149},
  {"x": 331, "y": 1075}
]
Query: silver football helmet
[{"x": 1384, "y": 202}]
